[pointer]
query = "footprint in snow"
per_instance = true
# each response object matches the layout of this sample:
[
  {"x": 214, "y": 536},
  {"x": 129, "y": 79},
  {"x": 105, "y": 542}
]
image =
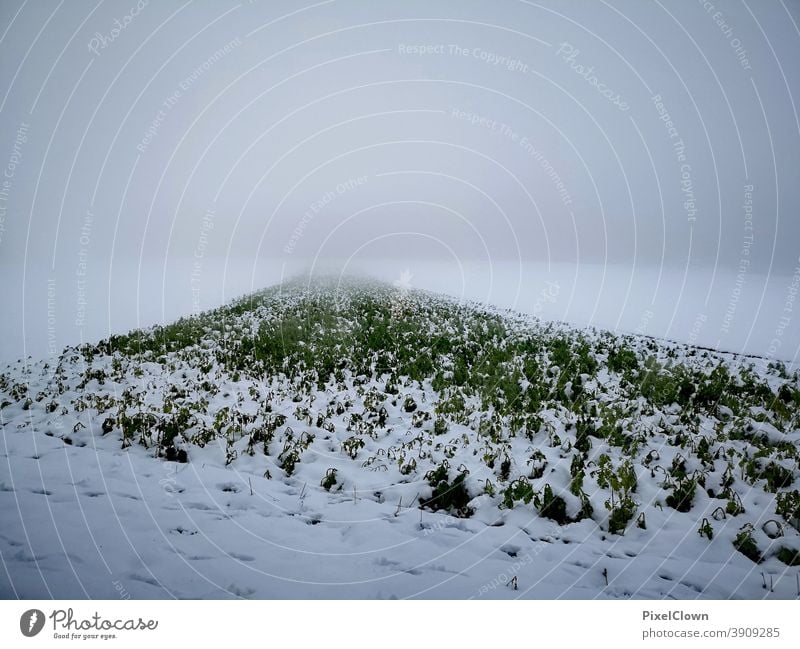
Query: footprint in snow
[
  {"x": 128, "y": 496},
  {"x": 238, "y": 591},
  {"x": 694, "y": 587},
  {"x": 23, "y": 556},
  {"x": 145, "y": 579},
  {"x": 183, "y": 530},
  {"x": 229, "y": 487},
  {"x": 11, "y": 542},
  {"x": 203, "y": 507}
]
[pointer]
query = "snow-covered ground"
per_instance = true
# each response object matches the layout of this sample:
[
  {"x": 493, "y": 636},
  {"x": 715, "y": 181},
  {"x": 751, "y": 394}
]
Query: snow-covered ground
[{"x": 84, "y": 515}]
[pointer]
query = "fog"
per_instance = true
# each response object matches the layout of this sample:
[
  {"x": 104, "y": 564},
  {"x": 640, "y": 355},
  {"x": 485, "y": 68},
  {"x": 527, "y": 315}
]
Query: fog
[{"x": 627, "y": 165}]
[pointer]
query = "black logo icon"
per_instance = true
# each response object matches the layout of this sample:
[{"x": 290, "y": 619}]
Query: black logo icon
[{"x": 31, "y": 622}]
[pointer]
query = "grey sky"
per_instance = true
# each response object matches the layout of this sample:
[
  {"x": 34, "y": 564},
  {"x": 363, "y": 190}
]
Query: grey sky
[{"x": 259, "y": 134}]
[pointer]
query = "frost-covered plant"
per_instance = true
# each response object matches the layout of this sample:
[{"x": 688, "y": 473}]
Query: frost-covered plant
[
  {"x": 329, "y": 480},
  {"x": 789, "y": 556},
  {"x": 409, "y": 405},
  {"x": 552, "y": 506},
  {"x": 451, "y": 496},
  {"x": 519, "y": 490},
  {"x": 352, "y": 445},
  {"x": 538, "y": 462},
  {"x": 746, "y": 544},
  {"x": 621, "y": 513},
  {"x": 683, "y": 494},
  {"x": 622, "y": 483},
  {"x": 787, "y": 504}
]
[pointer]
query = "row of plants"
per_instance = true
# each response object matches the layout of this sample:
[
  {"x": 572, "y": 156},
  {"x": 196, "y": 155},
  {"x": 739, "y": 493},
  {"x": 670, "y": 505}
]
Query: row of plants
[{"x": 339, "y": 371}]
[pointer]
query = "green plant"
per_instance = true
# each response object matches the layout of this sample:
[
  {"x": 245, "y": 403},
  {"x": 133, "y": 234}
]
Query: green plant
[
  {"x": 734, "y": 507},
  {"x": 409, "y": 405},
  {"x": 576, "y": 484},
  {"x": 451, "y": 496},
  {"x": 621, "y": 480},
  {"x": 787, "y": 504},
  {"x": 329, "y": 480},
  {"x": 586, "y": 509},
  {"x": 746, "y": 544},
  {"x": 352, "y": 445},
  {"x": 678, "y": 468},
  {"x": 776, "y": 477},
  {"x": 538, "y": 462},
  {"x": 409, "y": 467},
  {"x": 519, "y": 490},
  {"x": 706, "y": 529},
  {"x": 620, "y": 515},
  {"x": 682, "y": 495},
  {"x": 505, "y": 468},
  {"x": 789, "y": 556},
  {"x": 552, "y": 506},
  {"x": 622, "y": 360},
  {"x": 288, "y": 459}
]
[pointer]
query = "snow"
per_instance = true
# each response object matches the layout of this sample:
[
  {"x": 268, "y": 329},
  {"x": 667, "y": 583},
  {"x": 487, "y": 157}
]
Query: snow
[{"x": 83, "y": 517}]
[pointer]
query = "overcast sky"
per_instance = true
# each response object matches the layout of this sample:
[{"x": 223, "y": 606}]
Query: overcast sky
[{"x": 151, "y": 150}]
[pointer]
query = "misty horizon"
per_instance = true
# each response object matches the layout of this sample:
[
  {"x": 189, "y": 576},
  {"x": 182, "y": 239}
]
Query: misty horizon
[{"x": 161, "y": 159}]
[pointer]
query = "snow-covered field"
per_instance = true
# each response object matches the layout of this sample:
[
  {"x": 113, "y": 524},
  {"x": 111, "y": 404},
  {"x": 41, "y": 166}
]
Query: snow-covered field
[{"x": 359, "y": 440}]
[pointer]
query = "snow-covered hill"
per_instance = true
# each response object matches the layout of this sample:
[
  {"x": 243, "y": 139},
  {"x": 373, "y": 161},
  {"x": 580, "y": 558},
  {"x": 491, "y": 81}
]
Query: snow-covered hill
[{"x": 362, "y": 440}]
